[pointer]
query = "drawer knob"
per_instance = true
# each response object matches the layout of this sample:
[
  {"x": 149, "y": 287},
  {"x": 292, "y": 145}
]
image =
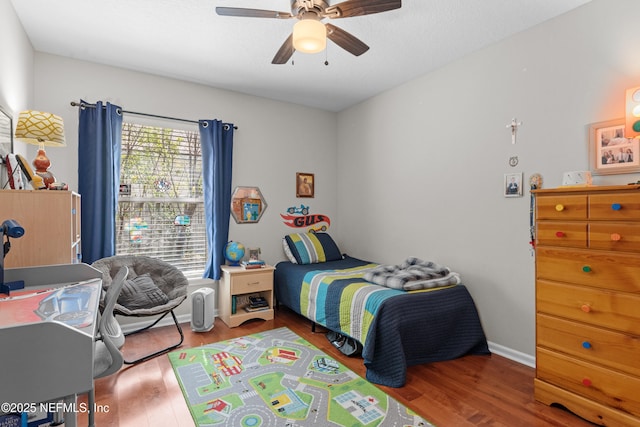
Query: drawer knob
[
  {"x": 586, "y": 344},
  {"x": 615, "y": 237},
  {"x": 560, "y": 234},
  {"x": 586, "y": 308},
  {"x": 586, "y": 382},
  {"x": 616, "y": 206},
  {"x": 559, "y": 207},
  {"x": 586, "y": 269}
]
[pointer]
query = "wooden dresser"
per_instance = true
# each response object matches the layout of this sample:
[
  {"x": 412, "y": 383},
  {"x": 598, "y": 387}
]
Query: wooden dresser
[{"x": 588, "y": 302}]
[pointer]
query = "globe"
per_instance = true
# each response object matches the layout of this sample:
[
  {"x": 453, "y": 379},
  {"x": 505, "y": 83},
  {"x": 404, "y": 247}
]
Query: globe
[{"x": 234, "y": 252}]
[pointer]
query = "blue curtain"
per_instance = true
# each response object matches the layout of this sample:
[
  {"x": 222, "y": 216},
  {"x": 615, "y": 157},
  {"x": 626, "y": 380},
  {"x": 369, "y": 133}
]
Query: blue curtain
[
  {"x": 216, "y": 139},
  {"x": 99, "y": 144}
]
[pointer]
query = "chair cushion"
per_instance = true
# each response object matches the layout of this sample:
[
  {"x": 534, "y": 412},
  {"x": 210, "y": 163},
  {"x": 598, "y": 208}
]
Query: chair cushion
[
  {"x": 166, "y": 277},
  {"x": 310, "y": 248},
  {"x": 141, "y": 292}
]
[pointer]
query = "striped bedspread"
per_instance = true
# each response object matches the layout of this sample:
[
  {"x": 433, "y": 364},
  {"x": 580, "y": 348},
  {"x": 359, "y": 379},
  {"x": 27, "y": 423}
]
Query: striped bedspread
[
  {"x": 358, "y": 300},
  {"x": 396, "y": 328}
]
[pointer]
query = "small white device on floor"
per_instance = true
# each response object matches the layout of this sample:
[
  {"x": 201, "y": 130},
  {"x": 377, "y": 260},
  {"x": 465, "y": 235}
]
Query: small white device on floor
[{"x": 202, "y": 305}]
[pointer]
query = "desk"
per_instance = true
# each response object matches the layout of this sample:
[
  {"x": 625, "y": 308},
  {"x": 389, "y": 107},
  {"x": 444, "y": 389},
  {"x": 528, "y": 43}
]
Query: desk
[{"x": 48, "y": 355}]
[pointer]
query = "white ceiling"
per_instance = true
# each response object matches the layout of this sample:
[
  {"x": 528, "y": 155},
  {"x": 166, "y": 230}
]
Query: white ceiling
[{"x": 185, "y": 39}]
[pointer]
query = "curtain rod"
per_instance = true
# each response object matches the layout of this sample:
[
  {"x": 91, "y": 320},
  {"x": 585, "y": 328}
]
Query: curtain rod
[{"x": 84, "y": 104}]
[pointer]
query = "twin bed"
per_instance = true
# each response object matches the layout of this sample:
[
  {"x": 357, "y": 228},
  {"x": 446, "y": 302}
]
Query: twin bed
[{"x": 397, "y": 328}]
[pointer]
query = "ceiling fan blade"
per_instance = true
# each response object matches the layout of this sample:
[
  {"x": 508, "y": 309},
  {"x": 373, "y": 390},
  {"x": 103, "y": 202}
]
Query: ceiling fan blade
[
  {"x": 252, "y": 13},
  {"x": 361, "y": 7},
  {"x": 345, "y": 40},
  {"x": 285, "y": 52}
]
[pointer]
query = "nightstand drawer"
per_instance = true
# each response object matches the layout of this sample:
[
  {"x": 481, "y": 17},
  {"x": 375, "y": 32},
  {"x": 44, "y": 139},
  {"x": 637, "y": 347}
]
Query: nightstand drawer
[
  {"x": 246, "y": 283},
  {"x": 615, "y": 206},
  {"x": 614, "y": 310},
  {"x": 602, "y": 346},
  {"x": 603, "y": 385},
  {"x": 608, "y": 270},
  {"x": 615, "y": 236},
  {"x": 558, "y": 233},
  {"x": 562, "y": 207}
]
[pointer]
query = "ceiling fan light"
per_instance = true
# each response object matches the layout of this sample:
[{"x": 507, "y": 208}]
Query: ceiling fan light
[{"x": 309, "y": 36}]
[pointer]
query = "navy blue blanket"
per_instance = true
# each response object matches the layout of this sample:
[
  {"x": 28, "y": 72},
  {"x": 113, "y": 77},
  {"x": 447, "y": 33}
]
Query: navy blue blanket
[{"x": 409, "y": 329}]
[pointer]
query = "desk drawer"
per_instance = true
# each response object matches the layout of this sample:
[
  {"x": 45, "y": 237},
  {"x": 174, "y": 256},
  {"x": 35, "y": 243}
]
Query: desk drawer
[
  {"x": 610, "y": 270},
  {"x": 602, "y": 346},
  {"x": 562, "y": 207},
  {"x": 246, "y": 283},
  {"x": 614, "y": 310},
  {"x": 558, "y": 233},
  {"x": 615, "y": 236},
  {"x": 603, "y": 385},
  {"x": 615, "y": 206}
]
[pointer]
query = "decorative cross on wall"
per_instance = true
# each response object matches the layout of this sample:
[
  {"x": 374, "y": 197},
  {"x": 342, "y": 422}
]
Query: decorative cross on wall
[{"x": 514, "y": 129}]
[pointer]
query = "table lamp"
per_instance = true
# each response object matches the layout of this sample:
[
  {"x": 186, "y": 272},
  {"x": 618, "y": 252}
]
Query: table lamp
[{"x": 43, "y": 129}]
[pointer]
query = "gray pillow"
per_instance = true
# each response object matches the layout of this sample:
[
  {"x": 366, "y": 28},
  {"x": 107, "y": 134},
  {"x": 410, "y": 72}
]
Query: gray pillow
[{"x": 141, "y": 292}]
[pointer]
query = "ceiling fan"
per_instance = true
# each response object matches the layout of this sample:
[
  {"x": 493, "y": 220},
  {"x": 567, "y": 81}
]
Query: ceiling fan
[{"x": 309, "y": 33}]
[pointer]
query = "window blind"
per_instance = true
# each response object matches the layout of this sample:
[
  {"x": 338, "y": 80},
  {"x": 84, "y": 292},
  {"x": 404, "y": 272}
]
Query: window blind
[{"x": 161, "y": 205}]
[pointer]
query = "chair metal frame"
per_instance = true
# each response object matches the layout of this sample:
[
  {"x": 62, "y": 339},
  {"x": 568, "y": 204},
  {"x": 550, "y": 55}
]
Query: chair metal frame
[{"x": 159, "y": 352}]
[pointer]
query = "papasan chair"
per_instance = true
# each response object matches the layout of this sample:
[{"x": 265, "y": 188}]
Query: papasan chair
[{"x": 153, "y": 288}]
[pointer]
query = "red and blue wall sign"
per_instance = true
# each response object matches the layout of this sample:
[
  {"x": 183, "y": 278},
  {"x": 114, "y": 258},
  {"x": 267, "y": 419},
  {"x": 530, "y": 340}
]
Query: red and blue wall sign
[{"x": 300, "y": 217}]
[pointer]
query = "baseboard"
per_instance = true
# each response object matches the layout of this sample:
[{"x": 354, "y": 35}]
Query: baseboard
[{"x": 511, "y": 354}]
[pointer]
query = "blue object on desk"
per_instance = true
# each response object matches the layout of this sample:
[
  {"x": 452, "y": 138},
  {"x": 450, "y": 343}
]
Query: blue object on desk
[
  {"x": 6, "y": 288},
  {"x": 9, "y": 228}
]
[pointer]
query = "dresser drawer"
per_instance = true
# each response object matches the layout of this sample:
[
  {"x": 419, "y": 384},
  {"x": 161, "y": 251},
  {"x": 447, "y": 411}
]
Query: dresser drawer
[
  {"x": 611, "y": 270},
  {"x": 603, "y": 385},
  {"x": 615, "y": 206},
  {"x": 613, "y": 310},
  {"x": 615, "y": 236},
  {"x": 602, "y": 346},
  {"x": 561, "y": 207},
  {"x": 247, "y": 283},
  {"x": 558, "y": 233}
]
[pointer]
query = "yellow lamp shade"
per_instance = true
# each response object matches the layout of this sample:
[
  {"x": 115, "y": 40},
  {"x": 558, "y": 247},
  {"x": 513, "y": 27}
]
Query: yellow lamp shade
[
  {"x": 36, "y": 127},
  {"x": 309, "y": 36}
]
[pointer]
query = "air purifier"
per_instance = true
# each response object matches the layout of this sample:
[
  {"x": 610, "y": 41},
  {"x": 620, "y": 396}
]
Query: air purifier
[{"x": 202, "y": 304}]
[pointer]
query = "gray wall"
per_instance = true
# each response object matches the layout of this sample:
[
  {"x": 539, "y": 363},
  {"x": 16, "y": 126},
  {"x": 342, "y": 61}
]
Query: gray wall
[
  {"x": 421, "y": 167},
  {"x": 16, "y": 64},
  {"x": 274, "y": 140}
]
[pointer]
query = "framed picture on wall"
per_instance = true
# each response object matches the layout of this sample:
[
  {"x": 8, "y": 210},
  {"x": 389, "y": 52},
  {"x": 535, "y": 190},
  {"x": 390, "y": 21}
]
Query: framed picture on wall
[
  {"x": 610, "y": 152},
  {"x": 512, "y": 186},
  {"x": 6, "y": 133},
  {"x": 304, "y": 184}
]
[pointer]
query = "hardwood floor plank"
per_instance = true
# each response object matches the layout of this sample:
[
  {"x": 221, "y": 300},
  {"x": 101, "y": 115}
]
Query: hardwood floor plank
[{"x": 469, "y": 391}]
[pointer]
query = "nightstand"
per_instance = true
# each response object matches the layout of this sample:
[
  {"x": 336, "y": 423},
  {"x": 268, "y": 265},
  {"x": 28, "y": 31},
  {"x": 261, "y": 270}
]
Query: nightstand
[{"x": 236, "y": 285}]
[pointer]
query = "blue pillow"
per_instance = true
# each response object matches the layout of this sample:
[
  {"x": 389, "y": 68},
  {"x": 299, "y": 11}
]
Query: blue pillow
[{"x": 311, "y": 248}]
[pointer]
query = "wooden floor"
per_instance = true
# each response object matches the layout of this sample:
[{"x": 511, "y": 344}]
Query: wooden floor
[{"x": 470, "y": 391}]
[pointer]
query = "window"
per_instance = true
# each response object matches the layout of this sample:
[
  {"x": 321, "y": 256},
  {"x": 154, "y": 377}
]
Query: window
[{"x": 161, "y": 205}]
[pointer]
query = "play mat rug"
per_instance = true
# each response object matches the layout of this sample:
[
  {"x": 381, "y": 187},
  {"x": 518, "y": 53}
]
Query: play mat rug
[{"x": 276, "y": 378}]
